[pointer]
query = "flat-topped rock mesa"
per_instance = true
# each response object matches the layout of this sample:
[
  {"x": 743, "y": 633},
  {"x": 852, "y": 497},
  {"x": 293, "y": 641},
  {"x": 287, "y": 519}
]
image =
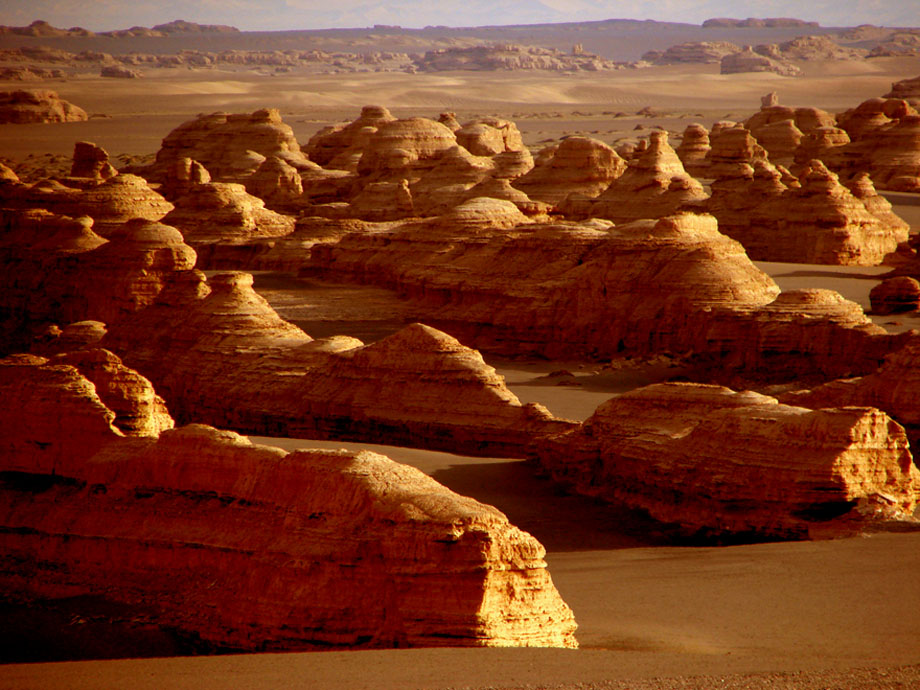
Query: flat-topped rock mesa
[
  {"x": 109, "y": 202},
  {"x": 819, "y": 222},
  {"x": 576, "y": 165},
  {"x": 510, "y": 56},
  {"x": 60, "y": 271},
  {"x": 224, "y": 211},
  {"x": 892, "y": 388},
  {"x": 885, "y": 142},
  {"x": 589, "y": 289},
  {"x": 230, "y": 146},
  {"x": 810, "y": 48},
  {"x": 248, "y": 547},
  {"x": 692, "y": 52},
  {"x": 37, "y": 106},
  {"x": 218, "y": 340},
  {"x": 724, "y": 22},
  {"x": 748, "y": 61},
  {"x": 653, "y": 185},
  {"x": 714, "y": 462}
]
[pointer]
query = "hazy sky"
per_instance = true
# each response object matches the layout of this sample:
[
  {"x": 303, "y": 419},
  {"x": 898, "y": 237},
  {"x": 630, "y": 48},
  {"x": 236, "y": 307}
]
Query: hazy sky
[{"x": 102, "y": 15}]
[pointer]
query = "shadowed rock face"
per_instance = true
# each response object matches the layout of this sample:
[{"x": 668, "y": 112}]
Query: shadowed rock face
[
  {"x": 248, "y": 547},
  {"x": 717, "y": 462},
  {"x": 59, "y": 270},
  {"x": 596, "y": 290},
  {"x": 219, "y": 340},
  {"x": 820, "y": 222},
  {"x": 25, "y": 106}
]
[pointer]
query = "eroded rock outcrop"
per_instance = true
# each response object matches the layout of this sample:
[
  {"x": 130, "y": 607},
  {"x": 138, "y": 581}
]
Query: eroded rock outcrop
[
  {"x": 91, "y": 161},
  {"x": 224, "y": 211},
  {"x": 654, "y": 185},
  {"x": 592, "y": 289},
  {"x": 714, "y": 461},
  {"x": 25, "y": 106},
  {"x": 819, "y": 222},
  {"x": 60, "y": 271},
  {"x": 895, "y": 295},
  {"x": 340, "y": 146},
  {"x": 249, "y": 547},
  {"x": 230, "y": 146},
  {"x": 747, "y": 60},
  {"x": 692, "y": 52},
  {"x": 577, "y": 165},
  {"x": 219, "y": 340},
  {"x": 693, "y": 149}
]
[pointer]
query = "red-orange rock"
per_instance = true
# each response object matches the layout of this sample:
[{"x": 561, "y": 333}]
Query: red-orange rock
[
  {"x": 654, "y": 185},
  {"x": 251, "y": 548},
  {"x": 714, "y": 461},
  {"x": 20, "y": 107},
  {"x": 895, "y": 295},
  {"x": 693, "y": 149},
  {"x": 340, "y": 146},
  {"x": 577, "y": 165},
  {"x": 91, "y": 161},
  {"x": 220, "y": 340},
  {"x": 404, "y": 149}
]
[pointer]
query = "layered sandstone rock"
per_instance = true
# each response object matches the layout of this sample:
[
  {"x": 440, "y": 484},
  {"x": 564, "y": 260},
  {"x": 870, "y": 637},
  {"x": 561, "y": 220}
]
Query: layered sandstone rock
[
  {"x": 219, "y": 340},
  {"x": 654, "y": 185},
  {"x": 340, "y": 146},
  {"x": 91, "y": 161},
  {"x": 589, "y": 289},
  {"x": 21, "y": 107},
  {"x": 248, "y": 547},
  {"x": 110, "y": 204},
  {"x": 404, "y": 149},
  {"x": 509, "y": 56},
  {"x": 693, "y": 149},
  {"x": 819, "y": 222},
  {"x": 732, "y": 146},
  {"x": 60, "y": 271},
  {"x": 748, "y": 61},
  {"x": 577, "y": 165},
  {"x": 224, "y": 211},
  {"x": 892, "y": 388},
  {"x": 718, "y": 462},
  {"x": 692, "y": 52},
  {"x": 489, "y": 136},
  {"x": 230, "y": 146},
  {"x": 895, "y": 295}
]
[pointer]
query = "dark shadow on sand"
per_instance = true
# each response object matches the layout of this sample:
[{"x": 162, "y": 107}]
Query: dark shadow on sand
[{"x": 561, "y": 521}]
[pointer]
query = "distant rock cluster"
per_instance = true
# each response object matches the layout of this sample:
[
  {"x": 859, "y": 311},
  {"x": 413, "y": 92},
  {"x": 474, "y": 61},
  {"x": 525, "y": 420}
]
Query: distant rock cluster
[{"x": 30, "y": 106}]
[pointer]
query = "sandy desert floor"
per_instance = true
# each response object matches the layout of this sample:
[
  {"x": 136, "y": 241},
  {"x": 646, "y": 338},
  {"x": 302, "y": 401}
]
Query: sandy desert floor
[{"x": 825, "y": 614}]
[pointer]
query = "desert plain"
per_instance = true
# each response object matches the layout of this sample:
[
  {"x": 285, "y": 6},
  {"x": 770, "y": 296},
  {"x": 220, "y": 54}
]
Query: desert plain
[{"x": 652, "y": 612}]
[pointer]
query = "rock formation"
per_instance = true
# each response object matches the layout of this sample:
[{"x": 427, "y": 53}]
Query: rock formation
[
  {"x": 489, "y": 136},
  {"x": 219, "y": 340},
  {"x": 693, "y": 149},
  {"x": 510, "y": 56},
  {"x": 819, "y": 222},
  {"x": 713, "y": 461},
  {"x": 906, "y": 88},
  {"x": 677, "y": 285},
  {"x": 224, "y": 211},
  {"x": 692, "y": 52},
  {"x": 723, "y": 22},
  {"x": 91, "y": 161},
  {"x": 732, "y": 146},
  {"x": 249, "y": 547},
  {"x": 749, "y": 61},
  {"x": 577, "y": 165},
  {"x": 892, "y": 388},
  {"x": 810, "y": 48},
  {"x": 895, "y": 295},
  {"x": 118, "y": 72},
  {"x": 230, "y": 146},
  {"x": 59, "y": 270},
  {"x": 21, "y": 107},
  {"x": 898, "y": 44},
  {"x": 340, "y": 146},
  {"x": 404, "y": 149},
  {"x": 654, "y": 185}
]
